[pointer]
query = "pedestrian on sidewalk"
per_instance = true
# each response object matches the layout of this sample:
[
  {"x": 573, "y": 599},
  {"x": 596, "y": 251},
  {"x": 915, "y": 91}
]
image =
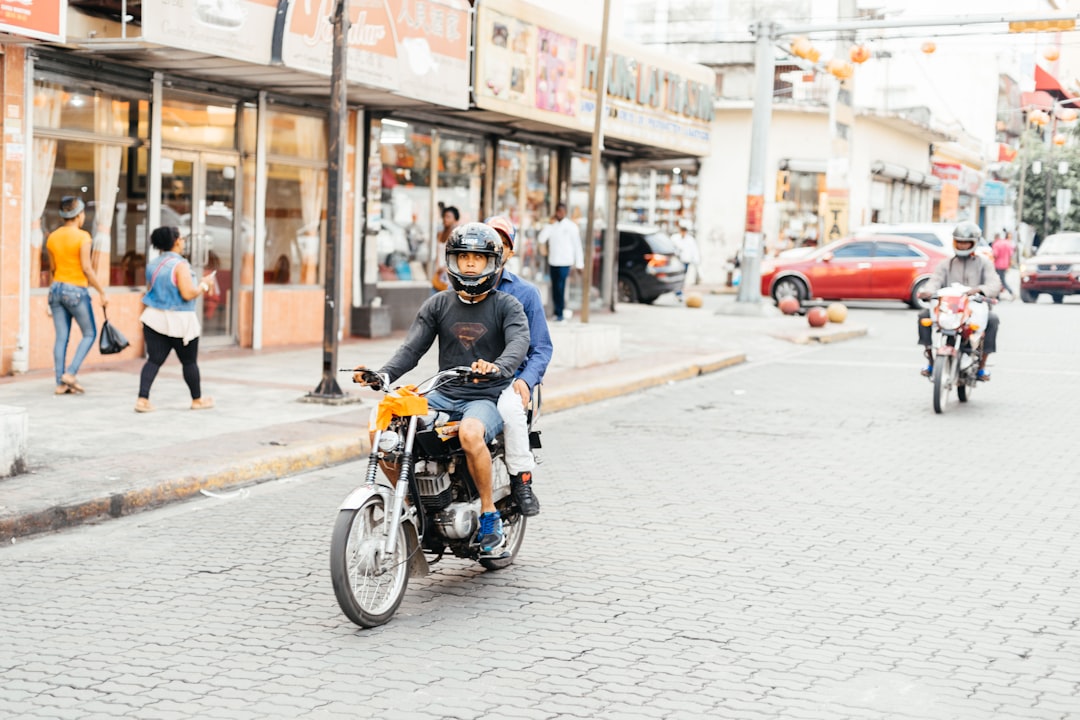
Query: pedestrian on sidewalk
[
  {"x": 686, "y": 249},
  {"x": 1004, "y": 248},
  {"x": 169, "y": 320},
  {"x": 69, "y": 297},
  {"x": 562, "y": 238}
]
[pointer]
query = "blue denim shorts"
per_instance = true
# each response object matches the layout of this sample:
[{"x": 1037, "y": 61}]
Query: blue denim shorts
[{"x": 483, "y": 410}]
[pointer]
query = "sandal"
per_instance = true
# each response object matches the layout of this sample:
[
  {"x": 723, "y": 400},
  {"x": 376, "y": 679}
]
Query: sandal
[
  {"x": 62, "y": 390},
  {"x": 142, "y": 405},
  {"x": 203, "y": 403},
  {"x": 72, "y": 383}
]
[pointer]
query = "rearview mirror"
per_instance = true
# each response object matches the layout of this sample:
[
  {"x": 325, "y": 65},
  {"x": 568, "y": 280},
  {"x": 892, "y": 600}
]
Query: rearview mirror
[{"x": 826, "y": 257}]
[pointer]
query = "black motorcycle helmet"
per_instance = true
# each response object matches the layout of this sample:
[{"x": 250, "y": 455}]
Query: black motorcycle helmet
[
  {"x": 474, "y": 238},
  {"x": 965, "y": 236}
]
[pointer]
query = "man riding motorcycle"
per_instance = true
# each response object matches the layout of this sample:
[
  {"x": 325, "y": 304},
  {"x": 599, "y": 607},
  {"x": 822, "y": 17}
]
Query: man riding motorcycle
[{"x": 973, "y": 271}]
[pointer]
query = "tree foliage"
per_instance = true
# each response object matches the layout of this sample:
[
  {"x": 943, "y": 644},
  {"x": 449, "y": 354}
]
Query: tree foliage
[{"x": 1037, "y": 151}]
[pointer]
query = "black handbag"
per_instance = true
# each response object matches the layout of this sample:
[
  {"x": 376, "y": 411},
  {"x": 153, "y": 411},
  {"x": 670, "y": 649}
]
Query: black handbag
[{"x": 112, "y": 340}]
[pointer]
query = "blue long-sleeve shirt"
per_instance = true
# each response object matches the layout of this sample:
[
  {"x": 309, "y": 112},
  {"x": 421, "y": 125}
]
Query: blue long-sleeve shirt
[{"x": 540, "y": 347}]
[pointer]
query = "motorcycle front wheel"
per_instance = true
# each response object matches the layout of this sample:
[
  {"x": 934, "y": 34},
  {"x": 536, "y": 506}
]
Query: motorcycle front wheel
[
  {"x": 514, "y": 530},
  {"x": 944, "y": 377},
  {"x": 369, "y": 587}
]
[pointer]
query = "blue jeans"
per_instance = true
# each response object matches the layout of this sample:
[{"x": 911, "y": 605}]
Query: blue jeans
[
  {"x": 486, "y": 411},
  {"x": 68, "y": 301},
  {"x": 559, "y": 273}
]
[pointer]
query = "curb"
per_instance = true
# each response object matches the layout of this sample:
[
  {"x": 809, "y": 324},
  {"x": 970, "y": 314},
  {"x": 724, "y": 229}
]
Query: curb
[
  {"x": 310, "y": 454},
  {"x": 823, "y": 337}
]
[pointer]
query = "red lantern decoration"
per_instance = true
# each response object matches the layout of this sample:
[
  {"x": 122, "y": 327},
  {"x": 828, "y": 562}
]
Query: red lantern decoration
[
  {"x": 1051, "y": 54},
  {"x": 929, "y": 47},
  {"x": 1059, "y": 139},
  {"x": 1038, "y": 117},
  {"x": 859, "y": 54},
  {"x": 1067, "y": 114}
]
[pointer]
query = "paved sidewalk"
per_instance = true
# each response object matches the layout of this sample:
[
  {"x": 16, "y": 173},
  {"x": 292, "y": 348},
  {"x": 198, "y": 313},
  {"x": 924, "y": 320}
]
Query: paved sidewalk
[{"x": 91, "y": 457}]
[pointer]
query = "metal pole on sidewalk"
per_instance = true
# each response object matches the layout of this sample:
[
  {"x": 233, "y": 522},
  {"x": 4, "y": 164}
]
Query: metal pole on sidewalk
[
  {"x": 761, "y": 119},
  {"x": 328, "y": 388},
  {"x": 594, "y": 164}
]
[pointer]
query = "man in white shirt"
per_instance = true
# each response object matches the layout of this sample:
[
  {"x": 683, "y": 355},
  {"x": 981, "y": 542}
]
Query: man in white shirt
[
  {"x": 686, "y": 248},
  {"x": 563, "y": 241}
]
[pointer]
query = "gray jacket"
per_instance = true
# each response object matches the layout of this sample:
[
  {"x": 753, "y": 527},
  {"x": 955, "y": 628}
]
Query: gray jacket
[{"x": 974, "y": 271}]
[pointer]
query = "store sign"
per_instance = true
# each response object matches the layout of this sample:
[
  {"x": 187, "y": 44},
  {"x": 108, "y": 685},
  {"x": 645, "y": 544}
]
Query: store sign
[
  {"x": 42, "y": 19},
  {"x": 535, "y": 65},
  {"x": 415, "y": 48},
  {"x": 237, "y": 29},
  {"x": 993, "y": 192}
]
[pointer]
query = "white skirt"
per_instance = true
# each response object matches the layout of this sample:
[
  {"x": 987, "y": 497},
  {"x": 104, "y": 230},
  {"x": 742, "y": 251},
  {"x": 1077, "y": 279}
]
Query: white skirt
[{"x": 182, "y": 324}]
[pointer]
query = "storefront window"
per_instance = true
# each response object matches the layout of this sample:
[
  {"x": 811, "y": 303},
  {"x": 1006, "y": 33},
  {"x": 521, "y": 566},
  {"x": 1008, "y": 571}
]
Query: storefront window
[
  {"x": 198, "y": 124},
  {"x": 405, "y": 224},
  {"x": 101, "y": 163},
  {"x": 798, "y": 194},
  {"x": 296, "y": 200},
  {"x": 522, "y": 193}
]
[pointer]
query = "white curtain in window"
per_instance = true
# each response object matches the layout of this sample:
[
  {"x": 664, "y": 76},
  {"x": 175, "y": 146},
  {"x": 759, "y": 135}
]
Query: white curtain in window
[
  {"x": 106, "y": 177},
  {"x": 310, "y": 142},
  {"x": 48, "y": 100}
]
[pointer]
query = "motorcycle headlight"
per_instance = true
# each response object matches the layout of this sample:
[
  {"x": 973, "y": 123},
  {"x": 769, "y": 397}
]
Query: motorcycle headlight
[
  {"x": 949, "y": 320},
  {"x": 388, "y": 441},
  {"x": 1024, "y": 267}
]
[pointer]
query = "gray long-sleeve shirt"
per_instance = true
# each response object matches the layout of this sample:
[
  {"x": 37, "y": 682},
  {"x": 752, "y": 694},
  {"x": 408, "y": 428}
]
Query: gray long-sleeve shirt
[
  {"x": 494, "y": 329},
  {"x": 974, "y": 271}
]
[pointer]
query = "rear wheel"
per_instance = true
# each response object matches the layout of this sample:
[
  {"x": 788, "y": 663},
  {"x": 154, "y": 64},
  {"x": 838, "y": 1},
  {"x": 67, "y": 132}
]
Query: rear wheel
[
  {"x": 790, "y": 287},
  {"x": 514, "y": 530},
  {"x": 628, "y": 292},
  {"x": 1028, "y": 296},
  {"x": 368, "y": 586},
  {"x": 943, "y": 381},
  {"x": 1058, "y": 298}
]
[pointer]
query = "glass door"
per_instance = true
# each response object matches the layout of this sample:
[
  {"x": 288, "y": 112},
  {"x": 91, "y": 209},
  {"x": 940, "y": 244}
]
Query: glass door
[{"x": 198, "y": 195}]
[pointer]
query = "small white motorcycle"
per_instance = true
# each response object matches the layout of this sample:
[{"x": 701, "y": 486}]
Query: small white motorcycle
[{"x": 958, "y": 320}]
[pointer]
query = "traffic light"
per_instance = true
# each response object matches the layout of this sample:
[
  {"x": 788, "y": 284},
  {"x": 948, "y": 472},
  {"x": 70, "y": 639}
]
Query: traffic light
[{"x": 1063, "y": 25}]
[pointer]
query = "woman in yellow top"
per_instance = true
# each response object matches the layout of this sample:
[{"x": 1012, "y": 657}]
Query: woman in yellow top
[{"x": 72, "y": 273}]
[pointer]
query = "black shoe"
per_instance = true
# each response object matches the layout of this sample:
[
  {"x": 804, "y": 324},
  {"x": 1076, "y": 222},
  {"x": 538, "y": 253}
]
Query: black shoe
[{"x": 521, "y": 489}]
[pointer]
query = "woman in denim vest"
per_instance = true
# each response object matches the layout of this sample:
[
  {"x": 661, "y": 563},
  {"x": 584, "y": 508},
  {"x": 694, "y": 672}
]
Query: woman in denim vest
[
  {"x": 69, "y": 297},
  {"x": 169, "y": 320}
]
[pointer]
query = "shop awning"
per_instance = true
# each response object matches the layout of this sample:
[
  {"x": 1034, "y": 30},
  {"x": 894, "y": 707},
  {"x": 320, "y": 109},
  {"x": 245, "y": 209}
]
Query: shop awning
[
  {"x": 1039, "y": 99},
  {"x": 1049, "y": 83}
]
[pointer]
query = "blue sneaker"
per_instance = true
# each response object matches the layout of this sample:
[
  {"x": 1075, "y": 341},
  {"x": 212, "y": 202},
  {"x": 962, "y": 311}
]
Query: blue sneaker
[
  {"x": 982, "y": 375},
  {"x": 927, "y": 371},
  {"x": 490, "y": 538}
]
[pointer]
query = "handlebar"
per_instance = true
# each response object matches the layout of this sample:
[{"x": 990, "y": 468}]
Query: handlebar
[{"x": 380, "y": 381}]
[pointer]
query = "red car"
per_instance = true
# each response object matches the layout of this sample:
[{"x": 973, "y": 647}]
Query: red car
[{"x": 876, "y": 267}]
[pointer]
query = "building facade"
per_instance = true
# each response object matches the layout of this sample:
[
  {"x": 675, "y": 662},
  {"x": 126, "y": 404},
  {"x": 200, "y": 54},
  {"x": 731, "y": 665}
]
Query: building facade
[{"x": 215, "y": 120}]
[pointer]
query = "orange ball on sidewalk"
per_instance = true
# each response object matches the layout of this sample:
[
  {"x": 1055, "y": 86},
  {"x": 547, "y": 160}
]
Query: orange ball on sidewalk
[{"x": 817, "y": 317}]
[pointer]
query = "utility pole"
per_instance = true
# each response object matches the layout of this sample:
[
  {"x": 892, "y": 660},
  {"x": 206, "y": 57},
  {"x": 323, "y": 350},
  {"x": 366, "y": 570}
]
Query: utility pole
[
  {"x": 328, "y": 388},
  {"x": 766, "y": 34},
  {"x": 594, "y": 165}
]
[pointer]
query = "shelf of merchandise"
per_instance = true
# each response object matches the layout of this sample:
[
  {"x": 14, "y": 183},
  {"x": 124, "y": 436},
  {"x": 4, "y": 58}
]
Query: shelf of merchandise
[{"x": 657, "y": 197}]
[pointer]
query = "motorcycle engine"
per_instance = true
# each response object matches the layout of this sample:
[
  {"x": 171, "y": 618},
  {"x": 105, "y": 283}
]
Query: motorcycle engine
[{"x": 433, "y": 483}]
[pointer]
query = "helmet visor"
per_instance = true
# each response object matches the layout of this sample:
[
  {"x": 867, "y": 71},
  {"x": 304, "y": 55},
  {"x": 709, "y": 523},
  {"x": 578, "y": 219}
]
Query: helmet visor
[{"x": 471, "y": 264}]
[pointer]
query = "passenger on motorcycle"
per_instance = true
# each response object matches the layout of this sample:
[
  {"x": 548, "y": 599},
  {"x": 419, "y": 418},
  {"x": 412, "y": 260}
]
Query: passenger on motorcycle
[
  {"x": 515, "y": 398},
  {"x": 969, "y": 269},
  {"x": 472, "y": 322}
]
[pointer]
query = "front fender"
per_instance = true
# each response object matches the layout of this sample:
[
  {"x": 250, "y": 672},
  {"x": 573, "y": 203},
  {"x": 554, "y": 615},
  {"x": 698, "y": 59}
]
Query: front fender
[
  {"x": 418, "y": 566},
  {"x": 361, "y": 494}
]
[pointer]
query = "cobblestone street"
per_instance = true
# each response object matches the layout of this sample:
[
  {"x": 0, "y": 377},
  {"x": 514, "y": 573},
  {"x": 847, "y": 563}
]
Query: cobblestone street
[{"x": 798, "y": 537}]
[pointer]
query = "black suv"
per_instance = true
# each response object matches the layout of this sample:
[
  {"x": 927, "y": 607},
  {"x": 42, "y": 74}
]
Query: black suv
[{"x": 648, "y": 265}]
